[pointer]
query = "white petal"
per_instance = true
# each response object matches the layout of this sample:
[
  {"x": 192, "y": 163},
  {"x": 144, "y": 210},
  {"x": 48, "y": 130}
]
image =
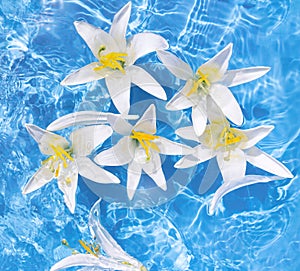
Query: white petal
[
  {"x": 180, "y": 100},
  {"x": 266, "y": 162},
  {"x": 201, "y": 154},
  {"x": 119, "y": 124},
  {"x": 95, "y": 37},
  {"x": 119, "y": 25},
  {"x": 199, "y": 117},
  {"x": 211, "y": 174},
  {"x": 175, "y": 65},
  {"x": 147, "y": 123},
  {"x": 256, "y": 134},
  {"x": 232, "y": 164},
  {"x": 154, "y": 170},
  {"x": 69, "y": 186},
  {"x": 214, "y": 113},
  {"x": 169, "y": 147},
  {"x": 219, "y": 61},
  {"x": 120, "y": 154},
  {"x": 91, "y": 260},
  {"x": 84, "y": 75},
  {"x": 227, "y": 103},
  {"x": 105, "y": 240},
  {"x": 227, "y": 187},
  {"x": 133, "y": 178},
  {"x": 76, "y": 260},
  {"x": 146, "y": 82},
  {"x": 187, "y": 132},
  {"x": 145, "y": 43},
  {"x": 95, "y": 173},
  {"x": 86, "y": 139},
  {"x": 237, "y": 77},
  {"x": 118, "y": 86},
  {"x": 39, "y": 179},
  {"x": 45, "y": 138}
]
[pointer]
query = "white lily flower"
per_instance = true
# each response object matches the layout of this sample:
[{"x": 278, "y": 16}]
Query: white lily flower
[
  {"x": 116, "y": 258},
  {"x": 66, "y": 161},
  {"x": 140, "y": 149},
  {"x": 232, "y": 148},
  {"x": 116, "y": 57},
  {"x": 211, "y": 79}
]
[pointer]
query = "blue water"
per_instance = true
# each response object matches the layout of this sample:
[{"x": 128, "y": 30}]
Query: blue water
[{"x": 256, "y": 227}]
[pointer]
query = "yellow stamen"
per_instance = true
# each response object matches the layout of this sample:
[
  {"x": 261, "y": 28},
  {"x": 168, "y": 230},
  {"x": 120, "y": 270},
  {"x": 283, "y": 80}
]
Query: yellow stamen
[
  {"x": 65, "y": 243},
  {"x": 57, "y": 171},
  {"x": 201, "y": 82},
  {"x": 229, "y": 136},
  {"x": 68, "y": 180},
  {"x": 126, "y": 263},
  {"x": 87, "y": 248},
  {"x": 145, "y": 141},
  {"x": 113, "y": 60}
]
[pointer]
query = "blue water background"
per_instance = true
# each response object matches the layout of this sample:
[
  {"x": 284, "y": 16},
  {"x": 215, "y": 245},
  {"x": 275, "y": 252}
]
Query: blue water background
[{"x": 256, "y": 227}]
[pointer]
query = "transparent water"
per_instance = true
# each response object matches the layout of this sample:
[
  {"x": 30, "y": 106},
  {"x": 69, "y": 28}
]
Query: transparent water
[{"x": 258, "y": 227}]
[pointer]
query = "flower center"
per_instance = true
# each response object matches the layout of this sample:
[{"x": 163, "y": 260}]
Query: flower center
[
  {"x": 145, "y": 141},
  {"x": 61, "y": 156},
  {"x": 201, "y": 83},
  {"x": 92, "y": 249},
  {"x": 113, "y": 60}
]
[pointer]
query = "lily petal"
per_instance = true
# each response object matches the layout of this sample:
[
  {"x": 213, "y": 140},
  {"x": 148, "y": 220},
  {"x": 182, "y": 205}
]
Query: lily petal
[
  {"x": 45, "y": 138},
  {"x": 227, "y": 187},
  {"x": 211, "y": 174},
  {"x": 119, "y": 25},
  {"x": 201, "y": 154},
  {"x": 108, "y": 244},
  {"x": 146, "y": 82},
  {"x": 86, "y": 139},
  {"x": 175, "y": 65},
  {"x": 144, "y": 43},
  {"x": 256, "y": 134},
  {"x": 91, "y": 260},
  {"x": 227, "y": 103},
  {"x": 147, "y": 123},
  {"x": 266, "y": 162},
  {"x": 84, "y": 75},
  {"x": 199, "y": 117},
  {"x": 39, "y": 179},
  {"x": 237, "y": 77},
  {"x": 91, "y": 171},
  {"x": 118, "y": 86},
  {"x": 232, "y": 164},
  {"x": 67, "y": 183},
  {"x": 133, "y": 178},
  {"x": 169, "y": 147},
  {"x": 119, "y": 124},
  {"x": 180, "y": 100},
  {"x": 219, "y": 61},
  {"x": 95, "y": 37},
  {"x": 214, "y": 113},
  {"x": 154, "y": 170},
  {"x": 187, "y": 132},
  {"x": 120, "y": 154}
]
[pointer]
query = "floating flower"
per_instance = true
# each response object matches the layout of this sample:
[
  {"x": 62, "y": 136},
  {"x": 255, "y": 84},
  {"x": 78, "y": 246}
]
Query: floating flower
[
  {"x": 66, "y": 161},
  {"x": 140, "y": 148},
  {"x": 116, "y": 258},
  {"x": 232, "y": 148},
  {"x": 116, "y": 57},
  {"x": 211, "y": 79}
]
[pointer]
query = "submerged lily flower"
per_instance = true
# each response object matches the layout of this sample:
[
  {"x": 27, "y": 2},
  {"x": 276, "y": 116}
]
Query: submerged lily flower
[
  {"x": 232, "y": 148},
  {"x": 116, "y": 258},
  {"x": 66, "y": 161},
  {"x": 140, "y": 148},
  {"x": 211, "y": 79},
  {"x": 116, "y": 57}
]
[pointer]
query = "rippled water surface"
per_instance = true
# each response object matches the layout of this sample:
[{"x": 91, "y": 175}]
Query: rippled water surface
[{"x": 255, "y": 228}]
